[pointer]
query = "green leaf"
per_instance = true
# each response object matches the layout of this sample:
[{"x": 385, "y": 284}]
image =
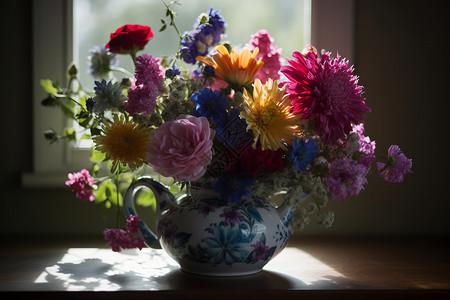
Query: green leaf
[
  {"x": 51, "y": 100},
  {"x": 48, "y": 86},
  {"x": 100, "y": 193},
  {"x": 163, "y": 28},
  {"x": 95, "y": 131},
  {"x": 97, "y": 156},
  {"x": 68, "y": 108},
  {"x": 116, "y": 198},
  {"x": 146, "y": 198},
  {"x": 69, "y": 133}
]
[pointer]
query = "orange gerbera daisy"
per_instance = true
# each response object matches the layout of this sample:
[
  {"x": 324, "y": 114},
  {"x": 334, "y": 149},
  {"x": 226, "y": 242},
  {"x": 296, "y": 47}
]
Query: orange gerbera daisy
[
  {"x": 237, "y": 69},
  {"x": 268, "y": 116}
]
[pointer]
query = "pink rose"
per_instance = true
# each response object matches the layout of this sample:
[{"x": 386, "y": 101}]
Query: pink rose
[{"x": 181, "y": 148}]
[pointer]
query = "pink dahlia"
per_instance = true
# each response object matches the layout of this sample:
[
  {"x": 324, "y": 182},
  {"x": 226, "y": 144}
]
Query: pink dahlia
[
  {"x": 396, "y": 166},
  {"x": 181, "y": 148},
  {"x": 326, "y": 91},
  {"x": 268, "y": 53},
  {"x": 81, "y": 183}
]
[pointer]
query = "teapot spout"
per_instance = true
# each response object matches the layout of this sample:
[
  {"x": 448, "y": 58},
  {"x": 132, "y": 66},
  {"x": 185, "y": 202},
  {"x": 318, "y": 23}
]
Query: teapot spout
[{"x": 285, "y": 211}]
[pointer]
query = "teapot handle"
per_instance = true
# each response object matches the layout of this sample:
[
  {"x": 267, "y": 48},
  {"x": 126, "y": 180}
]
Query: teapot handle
[{"x": 164, "y": 199}]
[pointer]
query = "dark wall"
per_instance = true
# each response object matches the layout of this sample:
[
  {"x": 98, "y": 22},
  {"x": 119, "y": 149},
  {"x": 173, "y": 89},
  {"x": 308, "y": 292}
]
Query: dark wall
[{"x": 401, "y": 57}]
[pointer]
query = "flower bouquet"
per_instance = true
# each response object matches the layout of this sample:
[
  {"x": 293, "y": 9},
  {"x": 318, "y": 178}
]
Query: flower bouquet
[{"x": 241, "y": 119}]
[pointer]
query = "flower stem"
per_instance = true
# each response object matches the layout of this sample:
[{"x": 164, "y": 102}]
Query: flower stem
[{"x": 122, "y": 70}]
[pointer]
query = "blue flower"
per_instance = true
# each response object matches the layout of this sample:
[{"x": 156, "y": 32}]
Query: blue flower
[
  {"x": 210, "y": 104},
  {"x": 90, "y": 104},
  {"x": 226, "y": 246},
  {"x": 100, "y": 61},
  {"x": 303, "y": 153},
  {"x": 172, "y": 72},
  {"x": 233, "y": 131},
  {"x": 108, "y": 96},
  {"x": 232, "y": 187}
]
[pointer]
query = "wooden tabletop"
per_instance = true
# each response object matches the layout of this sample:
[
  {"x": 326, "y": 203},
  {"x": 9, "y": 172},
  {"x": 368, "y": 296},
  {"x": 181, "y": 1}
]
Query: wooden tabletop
[{"x": 314, "y": 268}]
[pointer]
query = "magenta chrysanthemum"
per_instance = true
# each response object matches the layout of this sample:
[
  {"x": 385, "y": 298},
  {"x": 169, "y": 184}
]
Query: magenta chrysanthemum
[
  {"x": 268, "y": 53},
  {"x": 326, "y": 91},
  {"x": 81, "y": 183},
  {"x": 397, "y": 165},
  {"x": 149, "y": 81},
  {"x": 347, "y": 178}
]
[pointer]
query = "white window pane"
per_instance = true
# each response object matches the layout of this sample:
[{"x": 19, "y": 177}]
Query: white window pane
[{"x": 287, "y": 21}]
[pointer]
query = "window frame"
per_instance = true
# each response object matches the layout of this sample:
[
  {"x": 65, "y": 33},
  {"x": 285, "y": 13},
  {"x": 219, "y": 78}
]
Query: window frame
[{"x": 53, "y": 51}]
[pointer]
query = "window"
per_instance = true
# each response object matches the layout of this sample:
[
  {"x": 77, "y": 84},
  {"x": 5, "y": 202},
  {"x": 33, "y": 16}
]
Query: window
[{"x": 54, "y": 37}]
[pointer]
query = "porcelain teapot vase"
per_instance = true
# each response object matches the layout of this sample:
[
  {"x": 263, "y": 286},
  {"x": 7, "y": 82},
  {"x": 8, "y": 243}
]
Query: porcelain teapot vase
[{"x": 209, "y": 236}]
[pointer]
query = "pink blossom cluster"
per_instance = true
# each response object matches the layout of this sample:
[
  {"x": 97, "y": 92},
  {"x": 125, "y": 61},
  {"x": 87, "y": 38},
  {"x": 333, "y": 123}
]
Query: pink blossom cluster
[
  {"x": 120, "y": 239},
  {"x": 147, "y": 86},
  {"x": 268, "y": 53},
  {"x": 81, "y": 183},
  {"x": 181, "y": 148}
]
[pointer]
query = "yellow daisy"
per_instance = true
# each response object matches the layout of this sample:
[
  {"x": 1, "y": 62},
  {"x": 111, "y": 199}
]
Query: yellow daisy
[
  {"x": 124, "y": 141},
  {"x": 237, "y": 69},
  {"x": 268, "y": 116}
]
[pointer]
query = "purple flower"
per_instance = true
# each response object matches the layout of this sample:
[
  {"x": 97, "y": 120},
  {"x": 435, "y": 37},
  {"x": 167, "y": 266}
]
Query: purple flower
[
  {"x": 204, "y": 37},
  {"x": 81, "y": 183},
  {"x": 149, "y": 82},
  {"x": 347, "y": 178},
  {"x": 231, "y": 216},
  {"x": 365, "y": 145},
  {"x": 260, "y": 250},
  {"x": 148, "y": 70},
  {"x": 206, "y": 209},
  {"x": 396, "y": 165},
  {"x": 142, "y": 99}
]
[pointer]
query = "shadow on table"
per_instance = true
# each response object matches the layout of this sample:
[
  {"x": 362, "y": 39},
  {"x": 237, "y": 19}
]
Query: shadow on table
[{"x": 97, "y": 275}]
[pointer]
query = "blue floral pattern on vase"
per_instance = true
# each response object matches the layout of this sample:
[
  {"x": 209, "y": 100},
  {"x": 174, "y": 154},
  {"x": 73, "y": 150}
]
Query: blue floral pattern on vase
[{"x": 231, "y": 237}]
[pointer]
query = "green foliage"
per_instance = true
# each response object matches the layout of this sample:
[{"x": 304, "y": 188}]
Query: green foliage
[
  {"x": 97, "y": 156},
  {"x": 49, "y": 87},
  {"x": 108, "y": 193},
  {"x": 145, "y": 198}
]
